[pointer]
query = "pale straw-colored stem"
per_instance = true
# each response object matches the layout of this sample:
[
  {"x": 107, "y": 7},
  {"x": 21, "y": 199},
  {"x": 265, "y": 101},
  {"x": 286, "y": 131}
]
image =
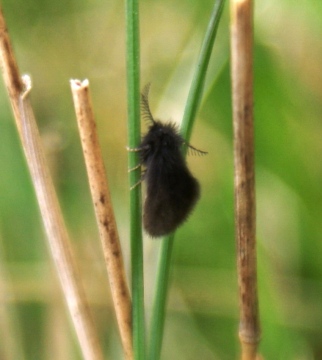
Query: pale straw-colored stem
[
  {"x": 245, "y": 216},
  {"x": 57, "y": 234},
  {"x": 55, "y": 228},
  {"x": 104, "y": 211}
]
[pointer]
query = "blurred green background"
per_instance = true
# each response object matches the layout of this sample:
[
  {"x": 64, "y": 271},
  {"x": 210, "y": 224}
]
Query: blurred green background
[{"x": 57, "y": 41}]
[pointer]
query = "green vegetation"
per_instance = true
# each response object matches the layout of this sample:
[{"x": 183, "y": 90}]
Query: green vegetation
[{"x": 55, "y": 42}]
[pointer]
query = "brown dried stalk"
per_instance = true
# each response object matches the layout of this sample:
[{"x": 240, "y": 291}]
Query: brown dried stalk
[
  {"x": 104, "y": 211},
  {"x": 242, "y": 88},
  {"x": 50, "y": 210},
  {"x": 10, "y": 71}
]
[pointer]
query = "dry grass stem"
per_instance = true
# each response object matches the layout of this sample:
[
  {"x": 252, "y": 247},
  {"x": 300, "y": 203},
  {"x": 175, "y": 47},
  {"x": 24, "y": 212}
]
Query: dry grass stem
[
  {"x": 104, "y": 211},
  {"x": 242, "y": 87},
  {"x": 57, "y": 233},
  {"x": 50, "y": 210},
  {"x": 10, "y": 71}
]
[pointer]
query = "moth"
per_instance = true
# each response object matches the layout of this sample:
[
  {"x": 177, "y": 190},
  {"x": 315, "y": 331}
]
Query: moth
[{"x": 171, "y": 190}]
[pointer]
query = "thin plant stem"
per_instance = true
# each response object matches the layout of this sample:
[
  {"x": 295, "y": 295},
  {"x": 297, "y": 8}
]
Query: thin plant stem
[
  {"x": 104, "y": 212},
  {"x": 198, "y": 80},
  {"x": 10, "y": 72},
  {"x": 245, "y": 212},
  {"x": 57, "y": 235},
  {"x": 134, "y": 137},
  {"x": 192, "y": 105},
  {"x": 160, "y": 298}
]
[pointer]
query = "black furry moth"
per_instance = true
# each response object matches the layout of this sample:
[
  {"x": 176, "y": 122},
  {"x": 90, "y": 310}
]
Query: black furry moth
[{"x": 172, "y": 191}]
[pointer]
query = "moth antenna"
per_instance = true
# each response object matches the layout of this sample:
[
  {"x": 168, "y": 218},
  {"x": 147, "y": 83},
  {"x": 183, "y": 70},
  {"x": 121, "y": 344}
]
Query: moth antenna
[
  {"x": 195, "y": 150},
  {"x": 145, "y": 107}
]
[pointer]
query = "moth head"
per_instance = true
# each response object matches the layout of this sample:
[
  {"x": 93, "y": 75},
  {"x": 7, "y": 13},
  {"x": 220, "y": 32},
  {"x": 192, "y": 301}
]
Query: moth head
[{"x": 162, "y": 141}]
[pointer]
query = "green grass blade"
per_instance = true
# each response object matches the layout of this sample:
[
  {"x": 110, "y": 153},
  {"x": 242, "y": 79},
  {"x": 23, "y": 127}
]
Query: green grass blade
[
  {"x": 160, "y": 296},
  {"x": 192, "y": 105},
  {"x": 198, "y": 81},
  {"x": 134, "y": 137}
]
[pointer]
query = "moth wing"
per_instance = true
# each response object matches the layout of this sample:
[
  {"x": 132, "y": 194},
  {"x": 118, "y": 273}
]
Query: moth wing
[{"x": 171, "y": 196}]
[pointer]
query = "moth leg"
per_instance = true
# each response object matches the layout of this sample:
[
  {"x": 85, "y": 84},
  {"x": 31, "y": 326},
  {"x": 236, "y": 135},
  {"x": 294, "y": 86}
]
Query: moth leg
[
  {"x": 136, "y": 184},
  {"x": 195, "y": 150},
  {"x": 140, "y": 181},
  {"x": 135, "y": 167},
  {"x": 137, "y": 149}
]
